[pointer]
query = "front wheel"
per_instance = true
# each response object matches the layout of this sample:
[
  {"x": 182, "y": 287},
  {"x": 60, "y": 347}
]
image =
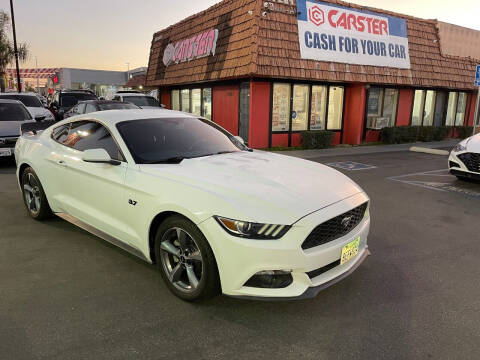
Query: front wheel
[
  {"x": 185, "y": 260},
  {"x": 33, "y": 196}
]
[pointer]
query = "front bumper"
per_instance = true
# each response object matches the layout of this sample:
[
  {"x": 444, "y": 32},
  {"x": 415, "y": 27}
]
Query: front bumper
[
  {"x": 461, "y": 170},
  {"x": 239, "y": 259}
]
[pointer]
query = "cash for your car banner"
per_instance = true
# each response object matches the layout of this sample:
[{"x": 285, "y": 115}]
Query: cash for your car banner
[{"x": 335, "y": 33}]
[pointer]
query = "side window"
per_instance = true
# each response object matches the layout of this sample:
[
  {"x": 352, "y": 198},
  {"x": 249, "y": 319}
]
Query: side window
[
  {"x": 81, "y": 108},
  {"x": 90, "y": 108},
  {"x": 84, "y": 135},
  {"x": 60, "y": 133}
]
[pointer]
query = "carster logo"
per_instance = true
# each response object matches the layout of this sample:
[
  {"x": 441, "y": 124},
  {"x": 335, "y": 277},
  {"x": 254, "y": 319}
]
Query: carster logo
[{"x": 316, "y": 15}]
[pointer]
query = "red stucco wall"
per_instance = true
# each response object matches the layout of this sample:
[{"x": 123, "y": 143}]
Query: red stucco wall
[
  {"x": 355, "y": 97},
  {"x": 259, "y": 114},
  {"x": 225, "y": 107}
]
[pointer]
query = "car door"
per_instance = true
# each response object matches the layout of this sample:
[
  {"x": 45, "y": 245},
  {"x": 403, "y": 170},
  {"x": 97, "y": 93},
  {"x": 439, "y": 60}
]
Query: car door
[{"x": 94, "y": 192}]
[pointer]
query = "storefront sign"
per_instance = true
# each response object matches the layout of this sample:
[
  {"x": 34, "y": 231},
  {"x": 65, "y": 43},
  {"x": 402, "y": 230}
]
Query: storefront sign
[
  {"x": 335, "y": 33},
  {"x": 196, "y": 47}
]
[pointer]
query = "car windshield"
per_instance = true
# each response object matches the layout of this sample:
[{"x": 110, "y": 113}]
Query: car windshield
[
  {"x": 141, "y": 100},
  {"x": 13, "y": 112},
  {"x": 71, "y": 99},
  {"x": 116, "y": 106},
  {"x": 27, "y": 100},
  {"x": 174, "y": 139}
]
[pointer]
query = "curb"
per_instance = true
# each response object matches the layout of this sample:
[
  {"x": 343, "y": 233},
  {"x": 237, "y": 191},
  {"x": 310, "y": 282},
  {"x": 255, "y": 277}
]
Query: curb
[{"x": 429, "y": 151}]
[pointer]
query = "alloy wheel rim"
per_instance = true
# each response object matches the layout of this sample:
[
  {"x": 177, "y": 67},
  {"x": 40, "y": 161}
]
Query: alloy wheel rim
[
  {"x": 181, "y": 259},
  {"x": 31, "y": 190}
]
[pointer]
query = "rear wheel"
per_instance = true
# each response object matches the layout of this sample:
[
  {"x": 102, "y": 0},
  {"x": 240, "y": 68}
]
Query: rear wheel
[
  {"x": 185, "y": 260},
  {"x": 34, "y": 196}
]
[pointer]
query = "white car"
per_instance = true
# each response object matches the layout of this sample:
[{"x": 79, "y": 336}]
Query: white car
[
  {"x": 464, "y": 160},
  {"x": 33, "y": 104},
  {"x": 181, "y": 192},
  {"x": 141, "y": 100},
  {"x": 12, "y": 115}
]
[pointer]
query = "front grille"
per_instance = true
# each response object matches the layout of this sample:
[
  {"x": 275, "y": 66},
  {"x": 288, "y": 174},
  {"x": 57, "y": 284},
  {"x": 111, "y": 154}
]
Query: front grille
[
  {"x": 335, "y": 228},
  {"x": 471, "y": 161},
  {"x": 8, "y": 142}
]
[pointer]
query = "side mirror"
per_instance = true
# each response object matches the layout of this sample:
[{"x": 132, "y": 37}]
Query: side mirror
[
  {"x": 163, "y": 106},
  {"x": 99, "y": 156},
  {"x": 39, "y": 117},
  {"x": 101, "y": 98},
  {"x": 54, "y": 105},
  {"x": 240, "y": 139}
]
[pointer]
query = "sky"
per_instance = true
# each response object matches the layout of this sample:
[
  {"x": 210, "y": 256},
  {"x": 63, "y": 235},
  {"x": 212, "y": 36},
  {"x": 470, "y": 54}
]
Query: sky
[{"x": 106, "y": 34}]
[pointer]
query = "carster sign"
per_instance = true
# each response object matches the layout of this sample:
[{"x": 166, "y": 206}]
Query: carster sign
[{"x": 329, "y": 32}]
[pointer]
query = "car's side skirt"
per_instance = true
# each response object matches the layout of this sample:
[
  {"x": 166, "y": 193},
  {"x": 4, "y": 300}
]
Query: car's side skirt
[{"x": 102, "y": 235}]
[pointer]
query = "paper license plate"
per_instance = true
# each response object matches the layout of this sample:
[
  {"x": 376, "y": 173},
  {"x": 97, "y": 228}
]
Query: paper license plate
[
  {"x": 349, "y": 251},
  {"x": 5, "y": 152}
]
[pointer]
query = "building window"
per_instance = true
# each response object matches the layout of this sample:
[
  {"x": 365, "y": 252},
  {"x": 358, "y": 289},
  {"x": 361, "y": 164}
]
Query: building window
[
  {"x": 301, "y": 95},
  {"x": 462, "y": 105},
  {"x": 207, "y": 103},
  {"x": 197, "y": 102},
  {"x": 457, "y": 104},
  {"x": 298, "y": 112},
  {"x": 318, "y": 107},
  {"x": 429, "y": 111},
  {"x": 418, "y": 107},
  {"x": 381, "y": 107},
  {"x": 281, "y": 107},
  {"x": 335, "y": 108},
  {"x": 185, "y": 100},
  {"x": 176, "y": 100}
]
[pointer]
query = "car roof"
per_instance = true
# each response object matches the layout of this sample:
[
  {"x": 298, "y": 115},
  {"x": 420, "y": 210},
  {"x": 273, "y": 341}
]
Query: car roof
[
  {"x": 113, "y": 117},
  {"x": 17, "y": 93},
  {"x": 133, "y": 94},
  {"x": 8, "y": 101},
  {"x": 100, "y": 102}
]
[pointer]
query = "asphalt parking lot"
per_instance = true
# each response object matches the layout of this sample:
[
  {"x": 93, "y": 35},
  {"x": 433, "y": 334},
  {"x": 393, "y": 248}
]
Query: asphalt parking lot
[{"x": 67, "y": 294}]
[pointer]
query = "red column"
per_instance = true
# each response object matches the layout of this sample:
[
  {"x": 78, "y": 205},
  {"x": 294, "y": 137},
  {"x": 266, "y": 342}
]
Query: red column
[
  {"x": 225, "y": 107},
  {"x": 165, "y": 99},
  {"x": 355, "y": 98},
  {"x": 471, "y": 108},
  {"x": 405, "y": 103},
  {"x": 259, "y": 114}
]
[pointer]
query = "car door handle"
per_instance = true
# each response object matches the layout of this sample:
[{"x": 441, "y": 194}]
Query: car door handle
[{"x": 61, "y": 163}]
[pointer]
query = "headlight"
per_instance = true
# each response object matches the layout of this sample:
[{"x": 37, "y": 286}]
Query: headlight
[
  {"x": 252, "y": 230},
  {"x": 459, "y": 148}
]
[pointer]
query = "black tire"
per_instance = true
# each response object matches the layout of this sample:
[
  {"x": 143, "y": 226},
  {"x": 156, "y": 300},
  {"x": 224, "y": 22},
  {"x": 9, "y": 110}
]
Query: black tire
[
  {"x": 34, "y": 199},
  {"x": 209, "y": 284}
]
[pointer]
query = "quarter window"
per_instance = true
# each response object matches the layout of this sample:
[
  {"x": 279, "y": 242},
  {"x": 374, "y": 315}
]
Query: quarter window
[{"x": 85, "y": 135}]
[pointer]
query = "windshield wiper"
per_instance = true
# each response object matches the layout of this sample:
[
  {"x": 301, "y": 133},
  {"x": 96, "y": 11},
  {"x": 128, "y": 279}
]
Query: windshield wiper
[{"x": 171, "y": 160}]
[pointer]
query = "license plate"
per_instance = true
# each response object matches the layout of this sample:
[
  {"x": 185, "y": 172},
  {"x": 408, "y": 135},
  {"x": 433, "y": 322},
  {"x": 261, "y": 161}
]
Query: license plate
[
  {"x": 349, "y": 251},
  {"x": 5, "y": 152}
]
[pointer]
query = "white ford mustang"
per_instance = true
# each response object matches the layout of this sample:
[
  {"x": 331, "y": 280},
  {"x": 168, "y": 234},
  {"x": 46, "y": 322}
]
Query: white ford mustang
[
  {"x": 183, "y": 193},
  {"x": 464, "y": 160}
]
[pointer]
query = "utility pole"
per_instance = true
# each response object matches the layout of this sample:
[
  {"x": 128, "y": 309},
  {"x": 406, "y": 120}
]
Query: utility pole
[
  {"x": 36, "y": 71},
  {"x": 19, "y": 88}
]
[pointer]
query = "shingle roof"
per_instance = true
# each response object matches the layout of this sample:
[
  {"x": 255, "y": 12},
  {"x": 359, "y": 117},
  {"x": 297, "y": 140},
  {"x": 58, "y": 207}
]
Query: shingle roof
[{"x": 252, "y": 45}]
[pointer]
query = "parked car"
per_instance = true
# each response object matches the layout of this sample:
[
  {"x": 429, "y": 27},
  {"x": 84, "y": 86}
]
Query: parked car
[
  {"x": 464, "y": 160},
  {"x": 85, "y": 107},
  {"x": 33, "y": 104},
  {"x": 64, "y": 100},
  {"x": 12, "y": 114},
  {"x": 183, "y": 193},
  {"x": 139, "y": 99}
]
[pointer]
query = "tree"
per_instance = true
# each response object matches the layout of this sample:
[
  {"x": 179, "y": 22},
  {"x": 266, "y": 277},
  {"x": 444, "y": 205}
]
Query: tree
[{"x": 7, "y": 51}]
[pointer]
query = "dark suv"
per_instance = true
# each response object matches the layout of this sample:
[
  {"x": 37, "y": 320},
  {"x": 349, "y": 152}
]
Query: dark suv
[{"x": 64, "y": 100}]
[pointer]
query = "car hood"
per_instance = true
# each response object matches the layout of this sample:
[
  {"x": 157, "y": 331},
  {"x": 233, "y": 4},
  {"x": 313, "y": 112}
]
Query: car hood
[
  {"x": 39, "y": 111},
  {"x": 263, "y": 187},
  {"x": 473, "y": 144},
  {"x": 11, "y": 128}
]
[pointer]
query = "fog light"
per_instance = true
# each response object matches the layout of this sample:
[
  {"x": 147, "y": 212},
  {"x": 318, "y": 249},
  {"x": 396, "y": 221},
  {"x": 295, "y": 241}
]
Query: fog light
[{"x": 273, "y": 279}]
